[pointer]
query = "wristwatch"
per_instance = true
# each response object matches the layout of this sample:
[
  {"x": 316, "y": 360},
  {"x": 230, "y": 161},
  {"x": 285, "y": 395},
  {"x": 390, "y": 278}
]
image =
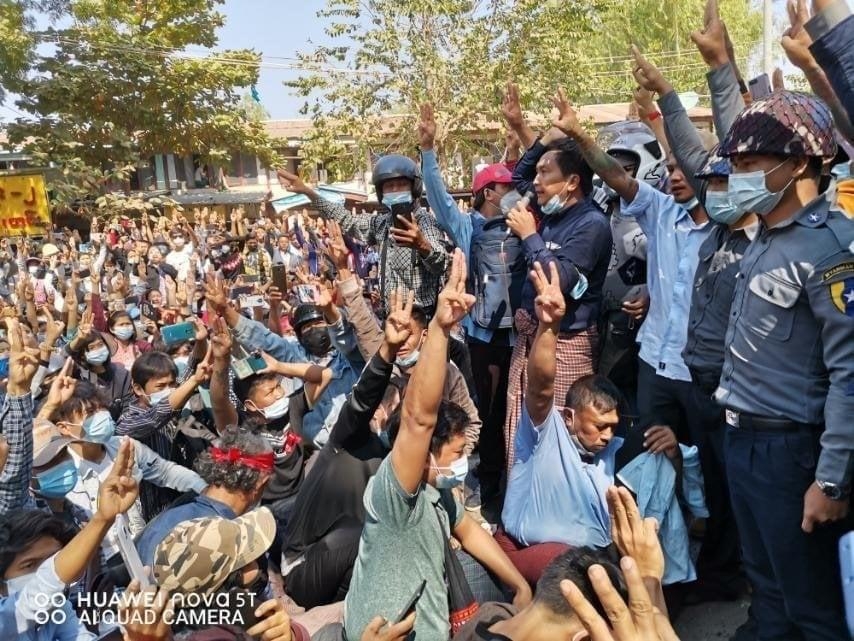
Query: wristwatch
[{"x": 833, "y": 491}]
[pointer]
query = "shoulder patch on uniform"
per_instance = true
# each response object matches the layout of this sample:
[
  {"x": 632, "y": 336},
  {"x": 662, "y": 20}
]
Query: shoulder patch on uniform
[
  {"x": 838, "y": 270},
  {"x": 842, "y": 295}
]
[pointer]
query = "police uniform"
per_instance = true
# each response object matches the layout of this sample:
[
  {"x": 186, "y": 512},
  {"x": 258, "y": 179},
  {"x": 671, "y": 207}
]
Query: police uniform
[{"x": 788, "y": 388}]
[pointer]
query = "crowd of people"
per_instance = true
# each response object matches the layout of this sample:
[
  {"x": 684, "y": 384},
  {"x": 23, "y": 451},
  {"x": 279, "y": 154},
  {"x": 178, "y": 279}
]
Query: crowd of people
[{"x": 621, "y": 383}]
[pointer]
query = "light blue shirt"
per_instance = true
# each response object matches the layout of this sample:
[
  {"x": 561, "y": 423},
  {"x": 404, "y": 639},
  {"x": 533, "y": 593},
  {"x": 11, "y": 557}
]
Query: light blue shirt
[
  {"x": 18, "y": 612},
  {"x": 453, "y": 222},
  {"x": 255, "y": 336},
  {"x": 552, "y": 494},
  {"x": 673, "y": 253},
  {"x": 652, "y": 478}
]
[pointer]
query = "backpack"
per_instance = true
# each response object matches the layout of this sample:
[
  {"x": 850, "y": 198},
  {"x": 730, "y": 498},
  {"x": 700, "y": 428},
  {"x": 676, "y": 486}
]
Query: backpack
[{"x": 498, "y": 270}]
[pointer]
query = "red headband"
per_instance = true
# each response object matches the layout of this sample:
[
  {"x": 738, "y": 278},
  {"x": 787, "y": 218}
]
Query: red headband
[{"x": 261, "y": 462}]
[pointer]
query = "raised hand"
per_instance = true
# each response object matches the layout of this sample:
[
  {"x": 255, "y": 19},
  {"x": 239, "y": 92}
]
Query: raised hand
[
  {"x": 205, "y": 368},
  {"x": 336, "y": 248},
  {"x": 521, "y": 221},
  {"x": 710, "y": 40},
  {"x": 86, "y": 325},
  {"x": 201, "y": 330},
  {"x": 23, "y": 360},
  {"x": 634, "y": 536},
  {"x": 397, "y": 323},
  {"x": 511, "y": 108},
  {"x": 216, "y": 295},
  {"x": 566, "y": 120},
  {"x": 796, "y": 41},
  {"x": 549, "y": 304},
  {"x": 292, "y": 182},
  {"x": 647, "y": 74},
  {"x": 454, "y": 303},
  {"x": 63, "y": 385},
  {"x": 119, "y": 490},
  {"x": 220, "y": 341},
  {"x": 637, "y": 621},
  {"x": 427, "y": 127}
]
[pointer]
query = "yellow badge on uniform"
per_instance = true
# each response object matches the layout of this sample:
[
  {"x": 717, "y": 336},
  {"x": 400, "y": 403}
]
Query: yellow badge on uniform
[{"x": 842, "y": 294}]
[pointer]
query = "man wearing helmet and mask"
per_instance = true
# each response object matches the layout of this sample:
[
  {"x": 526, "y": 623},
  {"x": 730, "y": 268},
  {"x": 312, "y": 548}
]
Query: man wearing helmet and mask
[
  {"x": 413, "y": 256},
  {"x": 625, "y": 296}
]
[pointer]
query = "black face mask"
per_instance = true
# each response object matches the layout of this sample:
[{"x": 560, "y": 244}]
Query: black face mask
[{"x": 316, "y": 341}]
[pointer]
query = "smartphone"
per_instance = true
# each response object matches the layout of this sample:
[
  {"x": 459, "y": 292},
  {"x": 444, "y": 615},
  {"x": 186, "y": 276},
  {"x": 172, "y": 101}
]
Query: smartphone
[
  {"x": 84, "y": 273},
  {"x": 248, "y": 302},
  {"x": 128, "y": 551},
  {"x": 307, "y": 294},
  {"x": 395, "y": 222},
  {"x": 174, "y": 334},
  {"x": 409, "y": 608},
  {"x": 251, "y": 279},
  {"x": 237, "y": 292},
  {"x": 280, "y": 278},
  {"x": 84, "y": 248},
  {"x": 760, "y": 87},
  {"x": 246, "y": 367}
]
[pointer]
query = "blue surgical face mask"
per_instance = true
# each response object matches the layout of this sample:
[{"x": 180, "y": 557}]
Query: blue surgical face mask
[
  {"x": 58, "y": 481},
  {"x": 181, "y": 362},
  {"x": 555, "y": 205},
  {"x": 4, "y": 366},
  {"x": 397, "y": 198},
  {"x": 98, "y": 356},
  {"x": 99, "y": 428},
  {"x": 842, "y": 171},
  {"x": 719, "y": 207},
  {"x": 748, "y": 192},
  {"x": 459, "y": 470},
  {"x": 124, "y": 332},
  {"x": 155, "y": 398}
]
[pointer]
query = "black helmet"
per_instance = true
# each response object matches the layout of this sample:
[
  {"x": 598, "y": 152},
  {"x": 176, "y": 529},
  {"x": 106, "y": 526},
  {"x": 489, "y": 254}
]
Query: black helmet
[
  {"x": 397, "y": 166},
  {"x": 305, "y": 314}
]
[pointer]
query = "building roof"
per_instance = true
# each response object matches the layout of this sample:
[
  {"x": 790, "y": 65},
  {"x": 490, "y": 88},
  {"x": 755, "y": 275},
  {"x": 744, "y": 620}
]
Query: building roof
[{"x": 601, "y": 115}]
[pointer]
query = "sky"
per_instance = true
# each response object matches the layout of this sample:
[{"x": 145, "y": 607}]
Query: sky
[{"x": 275, "y": 28}]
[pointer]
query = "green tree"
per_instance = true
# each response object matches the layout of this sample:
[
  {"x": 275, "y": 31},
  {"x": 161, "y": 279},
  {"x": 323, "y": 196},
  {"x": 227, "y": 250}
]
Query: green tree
[
  {"x": 386, "y": 56},
  {"x": 120, "y": 87}
]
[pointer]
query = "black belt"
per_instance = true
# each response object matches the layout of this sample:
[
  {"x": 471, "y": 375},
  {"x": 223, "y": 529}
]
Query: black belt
[{"x": 756, "y": 423}]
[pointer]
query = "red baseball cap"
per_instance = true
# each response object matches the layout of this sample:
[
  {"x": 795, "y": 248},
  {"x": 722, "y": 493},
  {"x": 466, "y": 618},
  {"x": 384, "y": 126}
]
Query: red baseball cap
[{"x": 496, "y": 173}]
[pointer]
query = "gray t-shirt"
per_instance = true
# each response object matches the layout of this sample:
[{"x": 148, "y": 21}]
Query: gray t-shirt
[{"x": 402, "y": 544}]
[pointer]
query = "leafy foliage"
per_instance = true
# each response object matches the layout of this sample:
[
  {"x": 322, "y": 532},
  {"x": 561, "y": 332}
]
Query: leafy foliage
[
  {"x": 120, "y": 87},
  {"x": 387, "y": 56}
]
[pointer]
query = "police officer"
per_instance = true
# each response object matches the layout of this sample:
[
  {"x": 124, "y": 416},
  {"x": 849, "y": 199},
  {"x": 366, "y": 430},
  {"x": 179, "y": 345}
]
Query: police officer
[{"x": 788, "y": 377}]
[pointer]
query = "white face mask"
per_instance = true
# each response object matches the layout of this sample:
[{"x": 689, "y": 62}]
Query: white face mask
[
  {"x": 13, "y": 586},
  {"x": 277, "y": 410},
  {"x": 155, "y": 398},
  {"x": 459, "y": 470}
]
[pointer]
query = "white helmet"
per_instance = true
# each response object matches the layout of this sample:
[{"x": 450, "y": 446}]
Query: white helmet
[{"x": 635, "y": 139}]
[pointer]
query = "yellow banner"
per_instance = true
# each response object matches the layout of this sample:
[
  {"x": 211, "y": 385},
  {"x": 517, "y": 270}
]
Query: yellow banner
[{"x": 24, "y": 208}]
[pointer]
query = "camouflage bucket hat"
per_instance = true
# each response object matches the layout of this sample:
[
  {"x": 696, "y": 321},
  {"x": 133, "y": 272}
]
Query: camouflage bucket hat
[
  {"x": 786, "y": 123},
  {"x": 716, "y": 166},
  {"x": 198, "y": 555}
]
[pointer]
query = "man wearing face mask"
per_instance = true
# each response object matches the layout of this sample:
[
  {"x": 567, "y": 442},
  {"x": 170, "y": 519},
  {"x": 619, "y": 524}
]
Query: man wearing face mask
[
  {"x": 256, "y": 260},
  {"x": 409, "y": 510},
  {"x": 325, "y": 338},
  {"x": 498, "y": 270},
  {"x": 90, "y": 439},
  {"x": 412, "y": 254},
  {"x": 575, "y": 235},
  {"x": 788, "y": 367},
  {"x": 675, "y": 225}
]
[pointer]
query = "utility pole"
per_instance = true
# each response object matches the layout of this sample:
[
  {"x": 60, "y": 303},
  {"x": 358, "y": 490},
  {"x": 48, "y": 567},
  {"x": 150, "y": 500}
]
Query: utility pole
[{"x": 767, "y": 37}]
